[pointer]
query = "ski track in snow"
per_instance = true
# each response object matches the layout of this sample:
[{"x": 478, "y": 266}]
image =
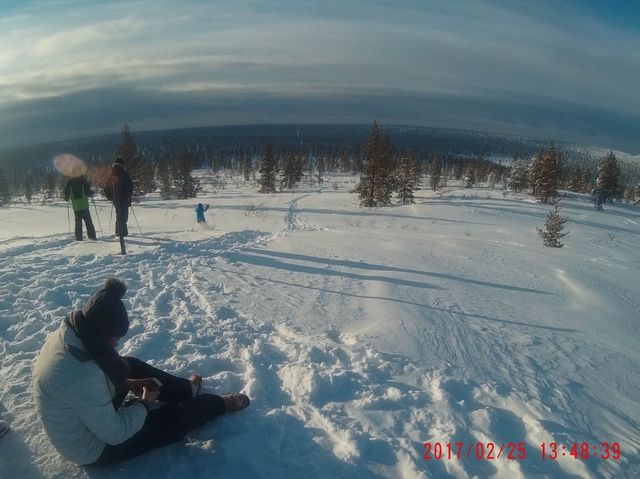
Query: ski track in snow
[{"x": 338, "y": 400}]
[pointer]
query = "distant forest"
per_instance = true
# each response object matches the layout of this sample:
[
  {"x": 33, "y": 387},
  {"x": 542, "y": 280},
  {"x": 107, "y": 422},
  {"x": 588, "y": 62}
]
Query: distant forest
[
  {"x": 219, "y": 147},
  {"x": 162, "y": 160}
]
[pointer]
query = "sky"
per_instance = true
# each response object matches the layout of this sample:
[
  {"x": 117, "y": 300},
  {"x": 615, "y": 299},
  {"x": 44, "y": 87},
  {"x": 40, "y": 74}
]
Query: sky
[{"x": 567, "y": 71}]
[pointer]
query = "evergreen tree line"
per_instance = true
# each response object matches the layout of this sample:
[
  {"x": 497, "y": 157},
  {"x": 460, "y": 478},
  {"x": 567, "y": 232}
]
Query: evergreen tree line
[
  {"x": 548, "y": 172},
  {"x": 384, "y": 172}
]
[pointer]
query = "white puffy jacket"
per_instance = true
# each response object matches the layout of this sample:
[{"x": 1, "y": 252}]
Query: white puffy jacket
[{"x": 73, "y": 399}]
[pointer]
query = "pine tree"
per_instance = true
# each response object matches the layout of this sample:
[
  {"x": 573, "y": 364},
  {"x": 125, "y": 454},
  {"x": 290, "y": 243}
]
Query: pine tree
[
  {"x": 320, "y": 167},
  {"x": 27, "y": 186},
  {"x": 544, "y": 174},
  {"x": 164, "y": 179},
  {"x": 608, "y": 173},
  {"x": 377, "y": 180},
  {"x": 267, "y": 170},
  {"x": 345, "y": 163},
  {"x": 518, "y": 179},
  {"x": 407, "y": 179},
  {"x": 435, "y": 172},
  {"x": 358, "y": 164},
  {"x": 469, "y": 178},
  {"x": 49, "y": 185},
  {"x": 139, "y": 168},
  {"x": 299, "y": 169},
  {"x": 628, "y": 194},
  {"x": 247, "y": 168},
  {"x": 387, "y": 171},
  {"x": 587, "y": 181},
  {"x": 576, "y": 180},
  {"x": 289, "y": 174},
  {"x": 5, "y": 194},
  {"x": 458, "y": 171},
  {"x": 492, "y": 179},
  {"x": 186, "y": 185},
  {"x": 554, "y": 224}
]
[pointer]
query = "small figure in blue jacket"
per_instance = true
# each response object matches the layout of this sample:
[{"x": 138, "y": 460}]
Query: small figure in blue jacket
[{"x": 200, "y": 213}]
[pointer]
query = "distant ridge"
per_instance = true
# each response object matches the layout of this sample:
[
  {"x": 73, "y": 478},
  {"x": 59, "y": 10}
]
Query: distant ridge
[{"x": 230, "y": 140}]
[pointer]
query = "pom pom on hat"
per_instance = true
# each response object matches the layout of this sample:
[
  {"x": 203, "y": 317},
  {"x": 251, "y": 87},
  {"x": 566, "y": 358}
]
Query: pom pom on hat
[
  {"x": 115, "y": 287},
  {"x": 106, "y": 312}
]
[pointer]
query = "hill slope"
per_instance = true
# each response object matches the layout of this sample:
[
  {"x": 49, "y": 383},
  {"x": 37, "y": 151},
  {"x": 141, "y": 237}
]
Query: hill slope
[{"x": 359, "y": 334}]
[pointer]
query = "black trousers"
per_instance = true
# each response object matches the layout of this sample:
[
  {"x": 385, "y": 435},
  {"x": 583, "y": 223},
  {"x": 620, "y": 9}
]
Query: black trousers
[
  {"x": 169, "y": 423},
  {"x": 122, "y": 216},
  {"x": 86, "y": 216}
]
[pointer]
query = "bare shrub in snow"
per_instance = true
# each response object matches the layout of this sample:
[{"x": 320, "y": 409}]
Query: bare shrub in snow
[{"x": 254, "y": 210}]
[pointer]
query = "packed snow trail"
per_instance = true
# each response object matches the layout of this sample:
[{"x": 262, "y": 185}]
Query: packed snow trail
[{"x": 358, "y": 338}]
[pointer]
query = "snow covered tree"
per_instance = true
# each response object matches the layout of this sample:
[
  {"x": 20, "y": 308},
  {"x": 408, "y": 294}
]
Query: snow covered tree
[
  {"x": 407, "y": 179},
  {"x": 435, "y": 172},
  {"x": 608, "y": 174},
  {"x": 186, "y": 185},
  {"x": 267, "y": 170},
  {"x": 545, "y": 173},
  {"x": 553, "y": 227},
  {"x": 5, "y": 194},
  {"x": 598, "y": 198},
  {"x": 377, "y": 180},
  {"x": 518, "y": 179}
]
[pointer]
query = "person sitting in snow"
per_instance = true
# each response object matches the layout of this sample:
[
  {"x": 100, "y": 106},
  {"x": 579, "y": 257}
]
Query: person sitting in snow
[
  {"x": 200, "y": 213},
  {"x": 80, "y": 383}
]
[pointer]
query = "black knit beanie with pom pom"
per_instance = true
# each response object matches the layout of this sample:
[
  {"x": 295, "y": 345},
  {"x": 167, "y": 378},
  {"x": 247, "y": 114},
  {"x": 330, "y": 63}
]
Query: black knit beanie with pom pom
[
  {"x": 106, "y": 312},
  {"x": 102, "y": 318}
]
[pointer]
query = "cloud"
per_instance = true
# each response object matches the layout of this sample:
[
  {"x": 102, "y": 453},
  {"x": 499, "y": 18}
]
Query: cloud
[{"x": 505, "y": 59}]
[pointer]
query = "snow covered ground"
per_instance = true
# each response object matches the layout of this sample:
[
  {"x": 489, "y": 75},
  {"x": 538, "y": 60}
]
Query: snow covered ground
[{"x": 359, "y": 334}]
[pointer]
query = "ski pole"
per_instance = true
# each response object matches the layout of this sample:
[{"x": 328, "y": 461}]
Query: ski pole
[
  {"x": 110, "y": 217},
  {"x": 68, "y": 218},
  {"x": 97, "y": 216},
  {"x": 136, "y": 218}
]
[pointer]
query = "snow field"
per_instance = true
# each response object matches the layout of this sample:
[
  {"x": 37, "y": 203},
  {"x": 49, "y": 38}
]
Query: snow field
[{"x": 359, "y": 334}]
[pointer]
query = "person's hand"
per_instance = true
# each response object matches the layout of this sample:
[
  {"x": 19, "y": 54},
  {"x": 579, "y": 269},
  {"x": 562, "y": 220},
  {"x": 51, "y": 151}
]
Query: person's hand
[
  {"x": 136, "y": 385},
  {"x": 150, "y": 398},
  {"x": 149, "y": 395}
]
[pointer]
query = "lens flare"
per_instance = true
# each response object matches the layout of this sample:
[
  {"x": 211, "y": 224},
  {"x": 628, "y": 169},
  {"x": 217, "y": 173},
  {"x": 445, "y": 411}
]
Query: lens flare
[{"x": 69, "y": 165}]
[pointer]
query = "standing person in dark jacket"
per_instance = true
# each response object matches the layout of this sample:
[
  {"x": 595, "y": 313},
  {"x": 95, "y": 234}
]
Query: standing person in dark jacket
[
  {"x": 78, "y": 190},
  {"x": 118, "y": 190}
]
